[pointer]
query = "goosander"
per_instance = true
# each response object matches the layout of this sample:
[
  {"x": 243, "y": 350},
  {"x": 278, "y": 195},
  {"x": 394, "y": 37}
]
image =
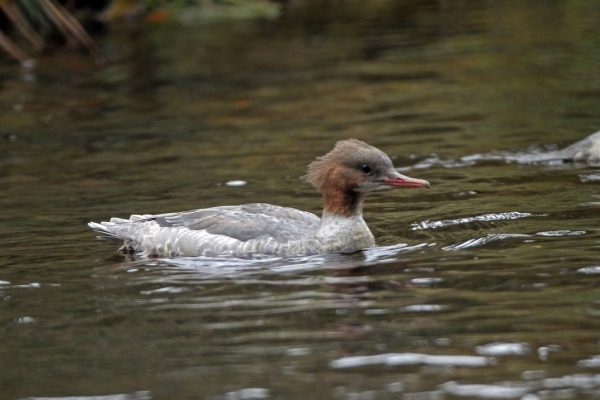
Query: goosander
[
  {"x": 343, "y": 177},
  {"x": 585, "y": 150}
]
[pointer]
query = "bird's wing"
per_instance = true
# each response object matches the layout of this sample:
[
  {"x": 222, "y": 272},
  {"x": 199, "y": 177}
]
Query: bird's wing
[{"x": 245, "y": 222}]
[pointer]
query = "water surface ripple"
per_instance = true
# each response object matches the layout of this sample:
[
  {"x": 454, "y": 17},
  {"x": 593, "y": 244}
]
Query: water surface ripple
[{"x": 485, "y": 286}]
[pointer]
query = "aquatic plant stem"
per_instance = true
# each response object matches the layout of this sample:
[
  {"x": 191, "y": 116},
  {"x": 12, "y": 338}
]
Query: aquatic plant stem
[
  {"x": 17, "y": 18},
  {"x": 12, "y": 49},
  {"x": 68, "y": 25}
]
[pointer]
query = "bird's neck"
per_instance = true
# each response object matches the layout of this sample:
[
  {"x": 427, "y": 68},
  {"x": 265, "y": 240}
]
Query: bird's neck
[
  {"x": 344, "y": 233},
  {"x": 344, "y": 203}
]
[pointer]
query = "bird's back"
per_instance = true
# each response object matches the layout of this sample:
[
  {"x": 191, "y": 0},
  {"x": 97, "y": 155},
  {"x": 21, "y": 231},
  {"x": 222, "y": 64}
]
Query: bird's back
[{"x": 226, "y": 230}]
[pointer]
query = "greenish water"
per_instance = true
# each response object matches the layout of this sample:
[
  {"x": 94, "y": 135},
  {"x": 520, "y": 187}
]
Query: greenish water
[{"x": 498, "y": 262}]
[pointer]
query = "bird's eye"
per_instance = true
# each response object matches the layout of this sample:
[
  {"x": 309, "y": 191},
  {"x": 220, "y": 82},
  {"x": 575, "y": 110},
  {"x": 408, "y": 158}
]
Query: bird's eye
[{"x": 365, "y": 168}]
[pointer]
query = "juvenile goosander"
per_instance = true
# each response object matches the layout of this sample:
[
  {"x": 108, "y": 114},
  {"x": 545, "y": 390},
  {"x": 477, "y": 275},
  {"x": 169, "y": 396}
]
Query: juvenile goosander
[
  {"x": 343, "y": 176},
  {"x": 585, "y": 150}
]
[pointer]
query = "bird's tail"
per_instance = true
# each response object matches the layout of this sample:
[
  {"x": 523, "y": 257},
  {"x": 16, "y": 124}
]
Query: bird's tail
[{"x": 108, "y": 230}]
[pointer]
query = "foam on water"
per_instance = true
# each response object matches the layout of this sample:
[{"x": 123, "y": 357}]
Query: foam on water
[
  {"x": 503, "y": 349},
  {"x": 396, "y": 359},
  {"x": 485, "y": 391},
  {"x": 440, "y": 224}
]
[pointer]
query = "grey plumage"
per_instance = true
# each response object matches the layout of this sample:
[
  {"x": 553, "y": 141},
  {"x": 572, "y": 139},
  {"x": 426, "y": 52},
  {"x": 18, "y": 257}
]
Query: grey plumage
[
  {"x": 586, "y": 150},
  {"x": 245, "y": 222},
  {"x": 343, "y": 176},
  {"x": 226, "y": 230}
]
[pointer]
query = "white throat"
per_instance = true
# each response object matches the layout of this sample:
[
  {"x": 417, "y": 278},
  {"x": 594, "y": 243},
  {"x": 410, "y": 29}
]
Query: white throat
[{"x": 345, "y": 234}]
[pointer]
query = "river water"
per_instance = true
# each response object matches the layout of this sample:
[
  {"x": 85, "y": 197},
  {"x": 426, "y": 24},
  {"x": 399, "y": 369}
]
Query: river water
[{"x": 485, "y": 286}]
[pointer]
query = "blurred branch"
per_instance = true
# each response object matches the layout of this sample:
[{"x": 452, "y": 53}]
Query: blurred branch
[
  {"x": 15, "y": 16},
  {"x": 68, "y": 25},
  {"x": 34, "y": 19},
  {"x": 12, "y": 49}
]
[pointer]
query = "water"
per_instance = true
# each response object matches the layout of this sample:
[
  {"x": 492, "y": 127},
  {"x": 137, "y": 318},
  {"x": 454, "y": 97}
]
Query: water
[{"x": 486, "y": 285}]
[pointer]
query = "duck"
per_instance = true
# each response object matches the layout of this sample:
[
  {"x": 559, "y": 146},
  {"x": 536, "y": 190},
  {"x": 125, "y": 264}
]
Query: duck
[
  {"x": 343, "y": 176},
  {"x": 587, "y": 150},
  {"x": 584, "y": 151}
]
